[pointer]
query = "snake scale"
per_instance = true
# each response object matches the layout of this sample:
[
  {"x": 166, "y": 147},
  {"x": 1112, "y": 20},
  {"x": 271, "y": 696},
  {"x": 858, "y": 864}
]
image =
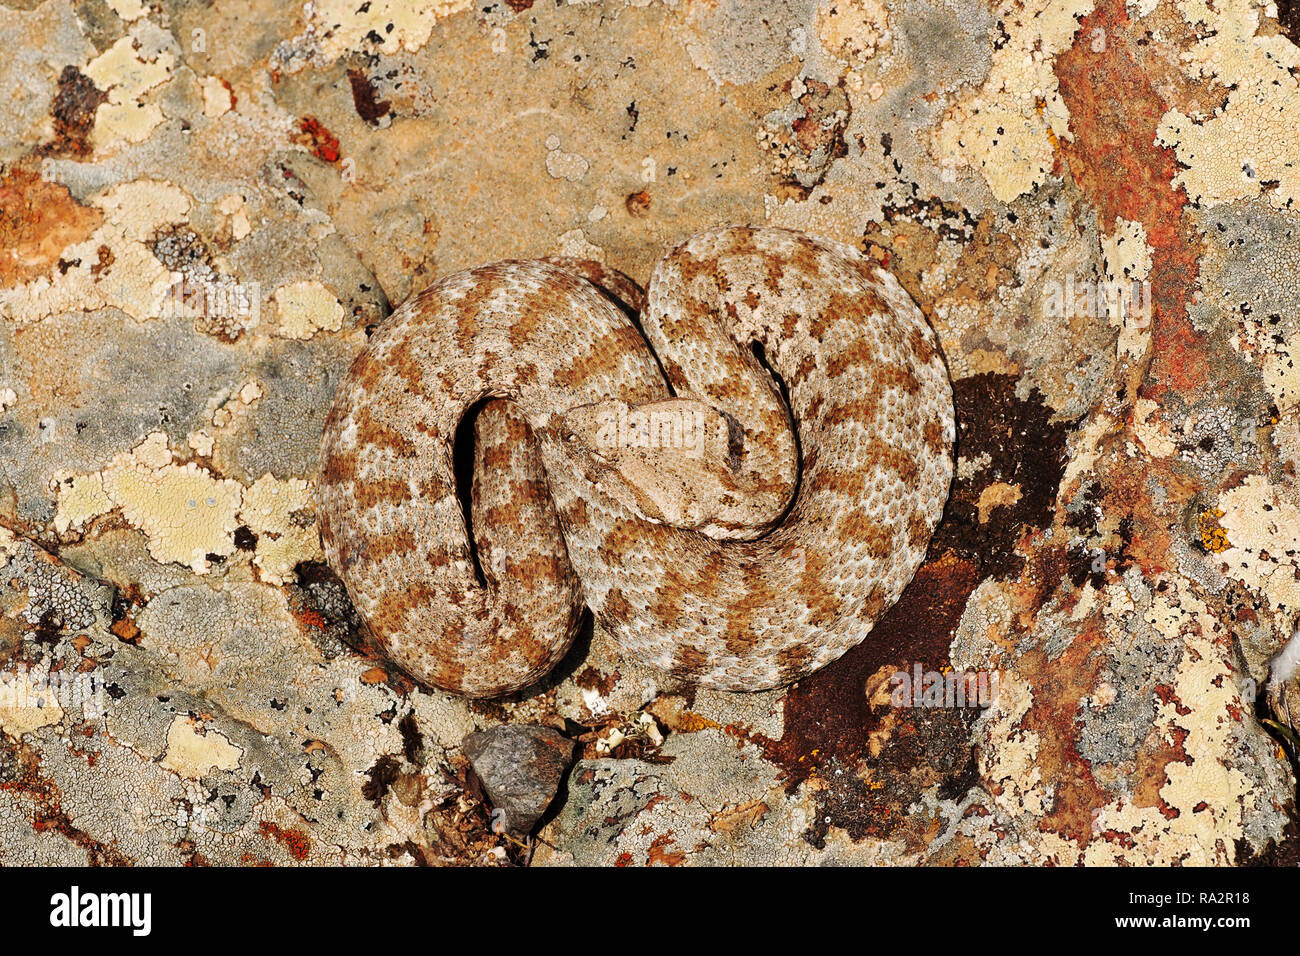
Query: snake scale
[{"x": 737, "y": 507}]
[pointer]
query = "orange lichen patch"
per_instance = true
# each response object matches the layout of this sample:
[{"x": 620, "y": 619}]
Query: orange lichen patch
[
  {"x": 38, "y": 220},
  {"x": 997, "y": 495},
  {"x": 672, "y": 711},
  {"x": 1115, "y": 113},
  {"x": 660, "y": 853},
  {"x": 744, "y": 816},
  {"x": 125, "y": 629},
  {"x": 1059, "y": 686},
  {"x": 323, "y": 144},
  {"x": 375, "y": 675},
  {"x": 1214, "y": 537},
  {"x": 295, "y": 841}
]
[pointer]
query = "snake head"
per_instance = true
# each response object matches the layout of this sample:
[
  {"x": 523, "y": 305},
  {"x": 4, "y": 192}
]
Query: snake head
[{"x": 672, "y": 461}]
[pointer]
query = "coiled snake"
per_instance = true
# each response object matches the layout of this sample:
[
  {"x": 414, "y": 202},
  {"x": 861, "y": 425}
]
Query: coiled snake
[{"x": 710, "y": 536}]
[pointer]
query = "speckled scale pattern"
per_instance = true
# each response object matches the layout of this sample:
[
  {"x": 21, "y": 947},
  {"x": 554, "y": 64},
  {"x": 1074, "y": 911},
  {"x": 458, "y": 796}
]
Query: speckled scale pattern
[{"x": 851, "y": 501}]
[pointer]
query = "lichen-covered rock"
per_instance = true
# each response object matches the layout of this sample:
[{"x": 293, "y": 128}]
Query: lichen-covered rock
[{"x": 204, "y": 210}]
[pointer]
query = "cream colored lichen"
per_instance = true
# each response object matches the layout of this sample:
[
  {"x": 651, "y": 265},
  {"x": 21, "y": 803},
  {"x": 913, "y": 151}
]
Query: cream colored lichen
[
  {"x": 1152, "y": 432},
  {"x": 564, "y": 165},
  {"x": 852, "y": 29},
  {"x": 1085, "y": 449},
  {"x": 235, "y": 209},
  {"x": 185, "y": 512},
  {"x": 1263, "y": 529},
  {"x": 121, "y": 73},
  {"x": 27, "y": 703},
  {"x": 1006, "y": 128},
  {"x": 1282, "y": 377},
  {"x": 1127, "y": 252},
  {"x": 192, "y": 754},
  {"x": 201, "y": 442},
  {"x": 1210, "y": 798},
  {"x": 228, "y": 411},
  {"x": 140, "y": 207},
  {"x": 216, "y": 97},
  {"x": 576, "y": 244},
  {"x": 188, "y": 514},
  {"x": 1250, "y": 144},
  {"x": 81, "y": 498},
  {"x": 113, "y": 266},
  {"x": 1010, "y": 762},
  {"x": 128, "y": 10},
  {"x": 341, "y": 26},
  {"x": 281, "y": 513},
  {"x": 305, "y": 308}
]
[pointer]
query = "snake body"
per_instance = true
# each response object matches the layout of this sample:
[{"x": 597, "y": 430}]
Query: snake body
[{"x": 763, "y": 552}]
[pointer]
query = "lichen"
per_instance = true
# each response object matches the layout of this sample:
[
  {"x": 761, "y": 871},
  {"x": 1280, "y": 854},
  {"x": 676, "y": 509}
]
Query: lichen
[{"x": 1248, "y": 146}]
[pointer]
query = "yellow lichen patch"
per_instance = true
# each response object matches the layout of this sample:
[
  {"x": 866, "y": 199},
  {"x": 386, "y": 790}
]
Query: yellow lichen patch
[
  {"x": 113, "y": 266},
  {"x": 1263, "y": 540},
  {"x": 852, "y": 29},
  {"x": 997, "y": 495},
  {"x": 193, "y": 754},
  {"x": 1214, "y": 537},
  {"x": 305, "y": 308},
  {"x": 343, "y": 25},
  {"x": 1008, "y": 128},
  {"x": 1249, "y": 145},
  {"x": 125, "y": 77},
  {"x": 280, "y": 513}
]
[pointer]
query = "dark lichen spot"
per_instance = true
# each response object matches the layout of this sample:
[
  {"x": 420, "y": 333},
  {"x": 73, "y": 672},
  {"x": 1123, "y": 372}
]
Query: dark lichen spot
[
  {"x": 367, "y": 106},
  {"x": 412, "y": 742},
  {"x": 74, "y": 109},
  {"x": 379, "y": 778}
]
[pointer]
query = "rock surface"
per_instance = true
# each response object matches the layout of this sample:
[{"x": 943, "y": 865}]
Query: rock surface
[
  {"x": 521, "y": 766},
  {"x": 204, "y": 207}
]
